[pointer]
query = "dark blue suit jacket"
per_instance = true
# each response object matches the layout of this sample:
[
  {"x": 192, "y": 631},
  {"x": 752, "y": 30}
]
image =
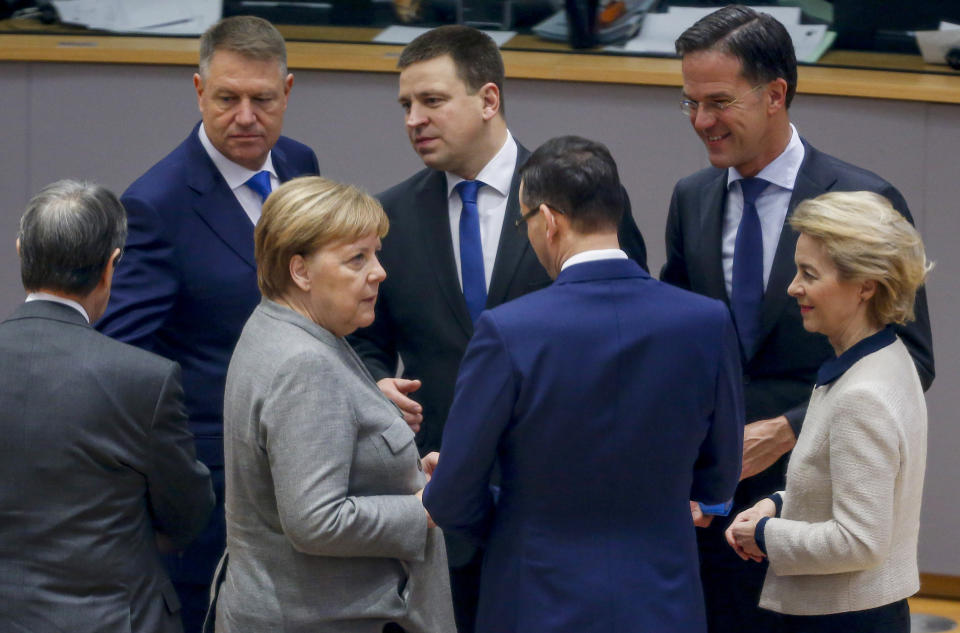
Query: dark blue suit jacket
[
  {"x": 610, "y": 399},
  {"x": 185, "y": 287}
]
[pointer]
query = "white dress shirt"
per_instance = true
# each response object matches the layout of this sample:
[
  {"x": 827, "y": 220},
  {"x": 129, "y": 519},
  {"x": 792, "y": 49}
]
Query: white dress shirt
[
  {"x": 497, "y": 175},
  {"x": 772, "y": 205},
  {"x": 593, "y": 256},
  {"x": 46, "y": 296},
  {"x": 237, "y": 175}
]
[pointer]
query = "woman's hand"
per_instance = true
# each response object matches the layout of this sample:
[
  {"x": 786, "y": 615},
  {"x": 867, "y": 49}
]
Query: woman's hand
[
  {"x": 430, "y": 523},
  {"x": 740, "y": 534}
]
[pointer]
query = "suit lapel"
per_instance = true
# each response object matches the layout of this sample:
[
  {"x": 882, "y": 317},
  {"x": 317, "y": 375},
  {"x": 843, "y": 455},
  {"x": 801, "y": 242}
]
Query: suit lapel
[
  {"x": 811, "y": 182},
  {"x": 216, "y": 204},
  {"x": 713, "y": 201},
  {"x": 434, "y": 219},
  {"x": 513, "y": 243}
]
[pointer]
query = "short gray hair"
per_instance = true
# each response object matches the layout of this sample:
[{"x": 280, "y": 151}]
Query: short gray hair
[
  {"x": 246, "y": 35},
  {"x": 67, "y": 235},
  {"x": 868, "y": 239}
]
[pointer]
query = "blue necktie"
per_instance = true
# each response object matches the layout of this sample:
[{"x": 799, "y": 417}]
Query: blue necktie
[
  {"x": 748, "y": 267},
  {"x": 471, "y": 251},
  {"x": 260, "y": 183}
]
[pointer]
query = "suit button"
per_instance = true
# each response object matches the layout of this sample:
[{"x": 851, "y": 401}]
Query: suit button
[{"x": 419, "y": 465}]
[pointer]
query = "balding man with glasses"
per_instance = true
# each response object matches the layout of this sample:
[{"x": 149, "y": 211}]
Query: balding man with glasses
[{"x": 726, "y": 239}]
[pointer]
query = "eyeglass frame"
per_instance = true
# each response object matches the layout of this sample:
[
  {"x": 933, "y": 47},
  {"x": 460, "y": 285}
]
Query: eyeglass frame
[
  {"x": 522, "y": 220},
  {"x": 689, "y": 107}
]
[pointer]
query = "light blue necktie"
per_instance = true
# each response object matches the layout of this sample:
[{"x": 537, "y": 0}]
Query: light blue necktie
[
  {"x": 260, "y": 183},
  {"x": 471, "y": 250},
  {"x": 748, "y": 267}
]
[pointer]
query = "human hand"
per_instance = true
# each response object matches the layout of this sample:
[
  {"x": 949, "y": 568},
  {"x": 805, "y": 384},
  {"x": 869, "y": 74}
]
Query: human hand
[
  {"x": 430, "y": 523},
  {"x": 396, "y": 389},
  {"x": 764, "y": 442},
  {"x": 742, "y": 531},
  {"x": 700, "y": 519},
  {"x": 429, "y": 462}
]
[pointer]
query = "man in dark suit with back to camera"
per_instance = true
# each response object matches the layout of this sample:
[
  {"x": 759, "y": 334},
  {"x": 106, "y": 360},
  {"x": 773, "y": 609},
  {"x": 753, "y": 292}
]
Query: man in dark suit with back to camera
[
  {"x": 97, "y": 466},
  {"x": 727, "y": 238},
  {"x": 575, "y": 390},
  {"x": 188, "y": 280},
  {"x": 452, "y": 249}
]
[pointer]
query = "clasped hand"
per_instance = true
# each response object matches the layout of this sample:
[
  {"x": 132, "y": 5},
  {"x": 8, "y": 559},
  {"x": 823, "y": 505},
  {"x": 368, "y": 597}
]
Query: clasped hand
[{"x": 741, "y": 532}]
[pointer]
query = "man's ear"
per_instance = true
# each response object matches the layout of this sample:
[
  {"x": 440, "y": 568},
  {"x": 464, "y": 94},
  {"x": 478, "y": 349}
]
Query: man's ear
[
  {"x": 491, "y": 100},
  {"x": 299, "y": 273},
  {"x": 776, "y": 95},
  {"x": 550, "y": 220}
]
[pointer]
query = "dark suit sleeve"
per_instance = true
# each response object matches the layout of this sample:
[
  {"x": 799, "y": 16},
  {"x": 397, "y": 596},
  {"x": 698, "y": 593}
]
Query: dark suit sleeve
[
  {"x": 916, "y": 335},
  {"x": 146, "y": 282},
  {"x": 674, "y": 271},
  {"x": 631, "y": 241},
  {"x": 717, "y": 469},
  {"x": 458, "y": 496},
  {"x": 179, "y": 492}
]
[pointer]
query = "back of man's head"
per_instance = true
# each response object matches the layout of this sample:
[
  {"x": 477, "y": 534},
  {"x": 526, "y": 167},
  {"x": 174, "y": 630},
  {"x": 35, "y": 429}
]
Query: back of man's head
[
  {"x": 67, "y": 235},
  {"x": 759, "y": 41},
  {"x": 474, "y": 53},
  {"x": 578, "y": 178},
  {"x": 246, "y": 35}
]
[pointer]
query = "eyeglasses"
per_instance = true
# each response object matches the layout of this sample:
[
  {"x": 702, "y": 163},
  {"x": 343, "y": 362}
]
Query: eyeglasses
[
  {"x": 689, "y": 107},
  {"x": 522, "y": 220}
]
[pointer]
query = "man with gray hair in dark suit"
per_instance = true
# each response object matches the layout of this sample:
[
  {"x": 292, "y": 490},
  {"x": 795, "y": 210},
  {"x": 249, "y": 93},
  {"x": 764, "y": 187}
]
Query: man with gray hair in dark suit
[{"x": 97, "y": 468}]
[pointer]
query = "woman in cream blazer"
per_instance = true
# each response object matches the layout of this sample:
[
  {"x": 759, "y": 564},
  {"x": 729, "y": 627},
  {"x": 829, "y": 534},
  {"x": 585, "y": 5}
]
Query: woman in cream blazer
[
  {"x": 325, "y": 527},
  {"x": 842, "y": 538}
]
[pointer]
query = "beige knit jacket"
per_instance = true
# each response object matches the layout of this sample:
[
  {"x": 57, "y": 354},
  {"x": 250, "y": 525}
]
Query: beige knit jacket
[{"x": 846, "y": 539}]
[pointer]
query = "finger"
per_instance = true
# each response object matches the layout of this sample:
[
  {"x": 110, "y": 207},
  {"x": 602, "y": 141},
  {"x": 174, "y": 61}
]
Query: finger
[{"x": 407, "y": 386}]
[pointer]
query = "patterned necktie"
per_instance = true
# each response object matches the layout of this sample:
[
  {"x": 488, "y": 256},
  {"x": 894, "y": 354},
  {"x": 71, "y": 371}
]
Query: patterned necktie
[
  {"x": 471, "y": 250},
  {"x": 748, "y": 267},
  {"x": 260, "y": 183}
]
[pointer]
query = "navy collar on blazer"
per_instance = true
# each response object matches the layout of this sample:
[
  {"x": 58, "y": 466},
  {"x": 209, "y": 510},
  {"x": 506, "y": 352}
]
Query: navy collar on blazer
[
  {"x": 601, "y": 269},
  {"x": 434, "y": 220},
  {"x": 216, "y": 204}
]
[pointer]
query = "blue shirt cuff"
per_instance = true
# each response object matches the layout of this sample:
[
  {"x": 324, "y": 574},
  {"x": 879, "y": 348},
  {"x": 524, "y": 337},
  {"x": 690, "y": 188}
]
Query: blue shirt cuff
[
  {"x": 717, "y": 509},
  {"x": 758, "y": 534}
]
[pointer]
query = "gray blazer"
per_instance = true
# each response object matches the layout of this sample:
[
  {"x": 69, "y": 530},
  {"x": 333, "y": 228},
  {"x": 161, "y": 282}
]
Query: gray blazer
[
  {"x": 324, "y": 532},
  {"x": 95, "y": 460}
]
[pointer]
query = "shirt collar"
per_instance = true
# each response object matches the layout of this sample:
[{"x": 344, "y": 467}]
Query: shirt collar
[
  {"x": 235, "y": 175},
  {"x": 593, "y": 256},
  {"x": 835, "y": 367},
  {"x": 46, "y": 296},
  {"x": 497, "y": 174},
  {"x": 782, "y": 170}
]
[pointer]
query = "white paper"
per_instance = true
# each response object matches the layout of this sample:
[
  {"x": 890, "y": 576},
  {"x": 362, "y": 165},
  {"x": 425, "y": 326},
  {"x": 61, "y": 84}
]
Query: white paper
[
  {"x": 660, "y": 30},
  {"x": 406, "y": 34},
  {"x": 180, "y": 17},
  {"x": 934, "y": 45}
]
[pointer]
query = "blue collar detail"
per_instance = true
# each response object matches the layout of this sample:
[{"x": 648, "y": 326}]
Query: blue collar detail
[{"x": 835, "y": 367}]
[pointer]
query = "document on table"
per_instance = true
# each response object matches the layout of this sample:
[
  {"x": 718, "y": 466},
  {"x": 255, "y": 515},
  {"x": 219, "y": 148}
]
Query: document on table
[
  {"x": 405, "y": 34},
  {"x": 170, "y": 17}
]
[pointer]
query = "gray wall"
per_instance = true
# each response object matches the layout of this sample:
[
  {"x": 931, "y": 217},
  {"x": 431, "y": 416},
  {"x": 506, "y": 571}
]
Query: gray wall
[{"x": 110, "y": 123}]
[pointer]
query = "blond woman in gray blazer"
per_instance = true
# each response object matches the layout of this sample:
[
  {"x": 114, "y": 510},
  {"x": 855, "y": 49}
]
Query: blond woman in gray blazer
[
  {"x": 841, "y": 540},
  {"x": 325, "y": 527}
]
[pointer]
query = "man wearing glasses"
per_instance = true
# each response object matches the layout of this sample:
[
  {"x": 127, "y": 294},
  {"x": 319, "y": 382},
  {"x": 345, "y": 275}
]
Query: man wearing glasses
[
  {"x": 725, "y": 239},
  {"x": 576, "y": 390}
]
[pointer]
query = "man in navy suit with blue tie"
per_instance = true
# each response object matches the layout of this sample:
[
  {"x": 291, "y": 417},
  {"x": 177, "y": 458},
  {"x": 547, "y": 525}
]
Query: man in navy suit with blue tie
[
  {"x": 609, "y": 400},
  {"x": 188, "y": 280}
]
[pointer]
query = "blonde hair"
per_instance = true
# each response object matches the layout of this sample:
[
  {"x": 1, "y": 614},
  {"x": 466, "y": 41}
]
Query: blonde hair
[
  {"x": 304, "y": 215},
  {"x": 868, "y": 239}
]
